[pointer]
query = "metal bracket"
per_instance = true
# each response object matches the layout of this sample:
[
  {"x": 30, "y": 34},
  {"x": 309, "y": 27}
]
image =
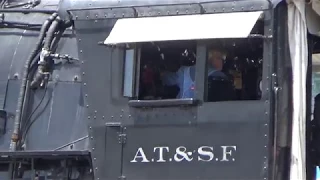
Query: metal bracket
[
  {"x": 121, "y": 45},
  {"x": 113, "y": 124},
  {"x": 274, "y": 79},
  {"x": 260, "y": 36},
  {"x": 275, "y": 84},
  {"x": 122, "y": 137}
]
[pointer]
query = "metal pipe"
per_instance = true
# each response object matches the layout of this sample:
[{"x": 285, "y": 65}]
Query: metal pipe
[
  {"x": 26, "y": 11},
  {"x": 17, "y": 120},
  {"x": 53, "y": 28},
  {"x": 45, "y": 53},
  {"x": 72, "y": 142}
]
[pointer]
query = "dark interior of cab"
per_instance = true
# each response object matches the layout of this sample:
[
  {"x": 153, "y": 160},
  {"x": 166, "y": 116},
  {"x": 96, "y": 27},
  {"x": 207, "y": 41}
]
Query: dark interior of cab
[{"x": 243, "y": 66}]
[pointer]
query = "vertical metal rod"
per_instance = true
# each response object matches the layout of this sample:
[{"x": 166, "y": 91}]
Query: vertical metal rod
[{"x": 201, "y": 74}]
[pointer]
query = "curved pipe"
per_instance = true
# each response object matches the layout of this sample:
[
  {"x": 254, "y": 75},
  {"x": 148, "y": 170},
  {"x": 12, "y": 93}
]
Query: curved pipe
[
  {"x": 50, "y": 35},
  {"x": 16, "y": 127},
  {"x": 20, "y": 23},
  {"x": 16, "y": 5},
  {"x": 45, "y": 52},
  {"x": 44, "y": 11}
]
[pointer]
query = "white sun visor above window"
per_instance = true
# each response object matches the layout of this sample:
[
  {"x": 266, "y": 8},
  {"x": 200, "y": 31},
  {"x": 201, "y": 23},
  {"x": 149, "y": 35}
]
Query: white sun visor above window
[{"x": 184, "y": 27}]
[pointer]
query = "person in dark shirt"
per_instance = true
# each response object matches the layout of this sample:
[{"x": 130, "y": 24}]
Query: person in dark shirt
[
  {"x": 148, "y": 82},
  {"x": 184, "y": 78}
]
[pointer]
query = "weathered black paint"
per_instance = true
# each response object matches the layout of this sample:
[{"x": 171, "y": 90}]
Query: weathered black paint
[
  {"x": 63, "y": 119},
  {"x": 246, "y": 136},
  {"x": 282, "y": 100},
  {"x": 114, "y": 129},
  {"x": 109, "y": 115},
  {"x": 91, "y": 10}
]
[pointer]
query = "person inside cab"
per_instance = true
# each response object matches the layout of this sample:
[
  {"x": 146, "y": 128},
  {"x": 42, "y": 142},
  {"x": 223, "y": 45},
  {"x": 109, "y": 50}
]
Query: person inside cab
[{"x": 184, "y": 78}]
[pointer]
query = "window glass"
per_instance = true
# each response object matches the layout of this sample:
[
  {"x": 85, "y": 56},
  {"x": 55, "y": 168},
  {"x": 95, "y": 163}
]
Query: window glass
[
  {"x": 129, "y": 69},
  {"x": 234, "y": 68},
  {"x": 163, "y": 67}
]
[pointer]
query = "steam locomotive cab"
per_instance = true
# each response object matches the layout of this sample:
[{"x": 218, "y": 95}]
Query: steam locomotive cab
[
  {"x": 159, "y": 90},
  {"x": 149, "y": 130}
]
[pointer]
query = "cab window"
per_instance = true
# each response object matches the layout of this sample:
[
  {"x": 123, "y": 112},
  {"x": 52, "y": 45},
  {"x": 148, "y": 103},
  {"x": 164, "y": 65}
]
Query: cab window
[
  {"x": 234, "y": 70},
  {"x": 168, "y": 70},
  {"x": 231, "y": 68}
]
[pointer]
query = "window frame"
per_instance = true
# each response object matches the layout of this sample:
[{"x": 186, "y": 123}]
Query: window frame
[
  {"x": 201, "y": 70},
  {"x": 201, "y": 84},
  {"x": 200, "y": 73}
]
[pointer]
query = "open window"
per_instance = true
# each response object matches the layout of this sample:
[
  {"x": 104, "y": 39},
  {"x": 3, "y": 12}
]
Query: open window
[
  {"x": 315, "y": 76},
  {"x": 241, "y": 77},
  {"x": 161, "y": 63},
  {"x": 313, "y": 128}
]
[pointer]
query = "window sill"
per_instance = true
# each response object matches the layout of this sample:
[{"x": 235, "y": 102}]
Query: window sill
[{"x": 163, "y": 103}]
